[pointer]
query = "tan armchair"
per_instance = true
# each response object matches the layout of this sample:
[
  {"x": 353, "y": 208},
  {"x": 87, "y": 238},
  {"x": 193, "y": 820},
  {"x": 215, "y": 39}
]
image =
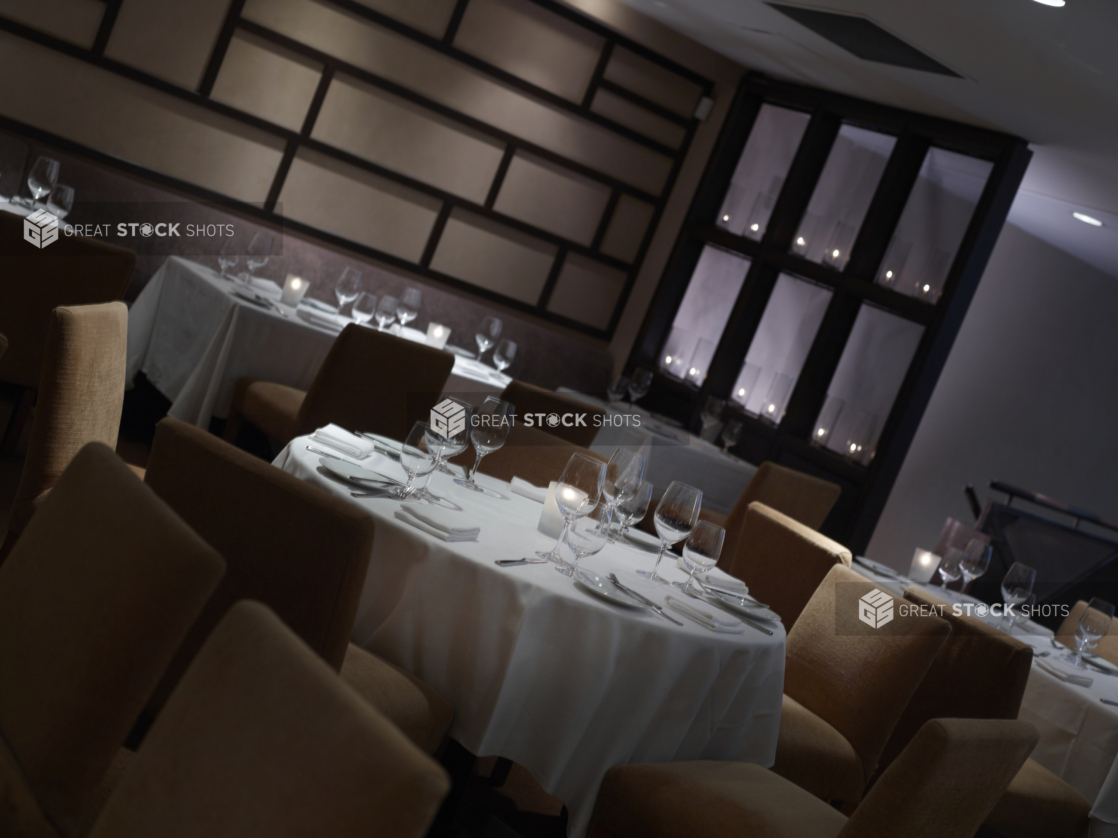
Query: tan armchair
[
  {"x": 1107, "y": 647},
  {"x": 370, "y": 381},
  {"x": 528, "y": 398},
  {"x": 262, "y": 738}
]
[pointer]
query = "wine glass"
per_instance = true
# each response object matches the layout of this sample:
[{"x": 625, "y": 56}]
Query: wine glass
[
  {"x": 675, "y": 518},
  {"x": 445, "y": 446},
  {"x": 1025, "y": 610},
  {"x": 951, "y": 569},
  {"x": 1093, "y": 626},
  {"x": 586, "y": 536},
  {"x": 700, "y": 552},
  {"x": 257, "y": 253},
  {"x": 348, "y": 287},
  {"x": 624, "y": 473},
  {"x": 61, "y": 201},
  {"x": 504, "y": 355},
  {"x": 487, "y": 334},
  {"x": 490, "y": 429},
  {"x": 712, "y": 412},
  {"x": 640, "y": 382},
  {"x": 633, "y": 509},
  {"x": 617, "y": 390},
  {"x": 1016, "y": 587},
  {"x": 731, "y": 433},
  {"x": 364, "y": 307},
  {"x": 408, "y": 307},
  {"x": 576, "y": 494},
  {"x": 229, "y": 256},
  {"x": 42, "y": 178},
  {"x": 976, "y": 560},
  {"x": 386, "y": 312},
  {"x": 415, "y": 458}
]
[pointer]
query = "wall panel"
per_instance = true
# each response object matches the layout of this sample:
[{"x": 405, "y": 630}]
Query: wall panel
[
  {"x": 553, "y": 199},
  {"x": 627, "y": 228},
  {"x": 76, "y": 21},
  {"x": 633, "y": 116},
  {"x": 586, "y": 291},
  {"x": 171, "y": 39},
  {"x": 267, "y": 81},
  {"x": 430, "y": 16},
  {"x": 653, "y": 82}
]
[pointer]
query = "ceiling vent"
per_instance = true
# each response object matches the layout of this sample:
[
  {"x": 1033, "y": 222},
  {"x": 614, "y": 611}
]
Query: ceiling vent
[{"x": 864, "y": 38}]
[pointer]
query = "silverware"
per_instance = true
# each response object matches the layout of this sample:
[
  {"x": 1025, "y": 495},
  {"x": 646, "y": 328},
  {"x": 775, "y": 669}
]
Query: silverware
[
  {"x": 1108, "y": 701},
  {"x": 276, "y": 306},
  {"x": 746, "y": 599},
  {"x": 1042, "y": 654},
  {"x": 324, "y": 454},
  {"x": 511, "y": 562},
  {"x": 713, "y": 600},
  {"x": 1100, "y": 669},
  {"x": 644, "y": 600}
]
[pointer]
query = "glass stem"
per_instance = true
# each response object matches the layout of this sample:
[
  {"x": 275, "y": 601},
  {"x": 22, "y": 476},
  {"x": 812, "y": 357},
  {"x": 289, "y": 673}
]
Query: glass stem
[
  {"x": 477, "y": 463},
  {"x": 659, "y": 557},
  {"x": 556, "y": 553}
]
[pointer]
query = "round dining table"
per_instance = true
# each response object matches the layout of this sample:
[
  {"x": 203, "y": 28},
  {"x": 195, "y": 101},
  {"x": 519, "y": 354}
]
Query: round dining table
[{"x": 539, "y": 669}]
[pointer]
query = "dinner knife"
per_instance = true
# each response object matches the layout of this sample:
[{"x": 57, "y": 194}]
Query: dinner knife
[{"x": 643, "y": 599}]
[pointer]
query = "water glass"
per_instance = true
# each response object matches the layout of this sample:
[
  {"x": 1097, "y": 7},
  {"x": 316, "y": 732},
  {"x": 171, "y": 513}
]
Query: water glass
[
  {"x": 624, "y": 473},
  {"x": 386, "y": 312},
  {"x": 712, "y": 412},
  {"x": 348, "y": 287},
  {"x": 42, "y": 178},
  {"x": 229, "y": 256},
  {"x": 951, "y": 569},
  {"x": 364, "y": 307},
  {"x": 504, "y": 355},
  {"x": 640, "y": 382},
  {"x": 633, "y": 509},
  {"x": 257, "y": 253},
  {"x": 576, "y": 494},
  {"x": 415, "y": 458},
  {"x": 731, "y": 433},
  {"x": 701, "y": 552},
  {"x": 976, "y": 560},
  {"x": 445, "y": 446},
  {"x": 489, "y": 429},
  {"x": 408, "y": 307},
  {"x": 1093, "y": 626},
  {"x": 675, "y": 518},
  {"x": 617, "y": 390},
  {"x": 61, "y": 200},
  {"x": 1025, "y": 610},
  {"x": 586, "y": 536},
  {"x": 487, "y": 335},
  {"x": 1016, "y": 587}
]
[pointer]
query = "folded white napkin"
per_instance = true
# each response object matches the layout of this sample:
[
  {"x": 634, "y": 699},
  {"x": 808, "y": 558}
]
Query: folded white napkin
[
  {"x": 444, "y": 524},
  {"x": 712, "y": 618},
  {"x": 529, "y": 490},
  {"x": 1067, "y": 677},
  {"x": 723, "y": 582},
  {"x": 342, "y": 440},
  {"x": 326, "y": 321},
  {"x": 266, "y": 287}
]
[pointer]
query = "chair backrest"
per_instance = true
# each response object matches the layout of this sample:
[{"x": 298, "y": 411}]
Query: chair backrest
[
  {"x": 980, "y": 673},
  {"x": 73, "y": 271},
  {"x": 263, "y": 738},
  {"x": 1106, "y": 648},
  {"x": 529, "y": 454},
  {"x": 94, "y": 599},
  {"x": 81, "y": 393},
  {"x": 295, "y": 547},
  {"x": 856, "y": 677},
  {"x": 528, "y": 398},
  {"x": 3, "y": 345},
  {"x": 782, "y": 561},
  {"x": 946, "y": 782},
  {"x": 374, "y": 381},
  {"x": 800, "y": 496}
]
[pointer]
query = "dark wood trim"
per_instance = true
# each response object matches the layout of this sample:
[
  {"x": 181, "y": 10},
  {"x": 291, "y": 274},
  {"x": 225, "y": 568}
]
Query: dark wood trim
[
  {"x": 596, "y": 78},
  {"x": 292, "y": 147},
  {"x": 221, "y": 46},
  {"x": 436, "y": 234},
  {"x": 105, "y": 30},
  {"x": 499, "y": 176},
  {"x": 455, "y": 21},
  {"x": 647, "y": 104},
  {"x": 552, "y": 278},
  {"x": 607, "y": 216}
]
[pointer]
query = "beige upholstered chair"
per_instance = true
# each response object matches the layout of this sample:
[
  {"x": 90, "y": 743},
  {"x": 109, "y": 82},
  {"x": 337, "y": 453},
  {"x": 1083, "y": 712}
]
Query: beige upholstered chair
[
  {"x": 846, "y": 685},
  {"x": 531, "y": 399},
  {"x": 74, "y": 271},
  {"x": 81, "y": 393},
  {"x": 530, "y": 454},
  {"x": 262, "y": 738},
  {"x": 94, "y": 599},
  {"x": 782, "y": 561},
  {"x": 942, "y": 786},
  {"x": 370, "y": 381},
  {"x": 298, "y": 549},
  {"x": 1107, "y": 647}
]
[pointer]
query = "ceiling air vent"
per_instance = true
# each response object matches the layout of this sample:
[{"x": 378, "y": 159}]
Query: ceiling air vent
[{"x": 864, "y": 38}]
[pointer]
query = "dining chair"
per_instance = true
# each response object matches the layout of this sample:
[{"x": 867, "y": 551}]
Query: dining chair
[
  {"x": 296, "y": 548},
  {"x": 81, "y": 393},
  {"x": 941, "y": 786},
  {"x": 370, "y": 381},
  {"x": 73, "y": 271},
  {"x": 3, "y": 345},
  {"x": 527, "y": 398},
  {"x": 1106, "y": 648},
  {"x": 528, "y": 453},
  {"x": 261, "y": 737},
  {"x": 782, "y": 561},
  {"x": 847, "y": 682},
  {"x": 94, "y": 599}
]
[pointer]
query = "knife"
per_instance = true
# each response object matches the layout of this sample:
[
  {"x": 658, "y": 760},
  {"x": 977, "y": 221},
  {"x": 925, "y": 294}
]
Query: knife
[{"x": 643, "y": 599}]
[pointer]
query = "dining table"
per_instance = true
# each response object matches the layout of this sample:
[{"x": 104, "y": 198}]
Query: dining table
[
  {"x": 193, "y": 333},
  {"x": 542, "y": 669}
]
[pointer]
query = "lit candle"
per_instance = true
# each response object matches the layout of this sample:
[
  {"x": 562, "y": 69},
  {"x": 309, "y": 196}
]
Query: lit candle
[
  {"x": 924, "y": 564},
  {"x": 294, "y": 288},
  {"x": 437, "y": 335}
]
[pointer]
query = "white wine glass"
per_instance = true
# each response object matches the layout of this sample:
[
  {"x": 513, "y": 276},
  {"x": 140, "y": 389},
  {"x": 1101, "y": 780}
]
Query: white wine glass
[
  {"x": 408, "y": 308},
  {"x": 42, "y": 178},
  {"x": 415, "y": 459},
  {"x": 976, "y": 560},
  {"x": 348, "y": 287},
  {"x": 1016, "y": 587},
  {"x": 487, "y": 334},
  {"x": 731, "y": 433},
  {"x": 504, "y": 355},
  {"x": 257, "y": 253},
  {"x": 364, "y": 307},
  {"x": 711, "y": 413},
  {"x": 444, "y": 446},
  {"x": 1093, "y": 627},
  {"x": 586, "y": 536},
  {"x": 640, "y": 382},
  {"x": 951, "y": 570},
  {"x": 491, "y": 425},
  {"x": 229, "y": 256},
  {"x": 675, "y": 518},
  {"x": 632, "y": 510},
  {"x": 61, "y": 200},
  {"x": 616, "y": 391},
  {"x": 700, "y": 553},
  {"x": 576, "y": 494},
  {"x": 624, "y": 473},
  {"x": 386, "y": 312}
]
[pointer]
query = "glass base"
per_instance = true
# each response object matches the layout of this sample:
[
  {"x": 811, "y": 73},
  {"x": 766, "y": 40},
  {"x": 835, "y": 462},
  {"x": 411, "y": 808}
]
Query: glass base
[
  {"x": 687, "y": 588},
  {"x": 652, "y": 576},
  {"x": 468, "y": 484},
  {"x": 551, "y": 555},
  {"x": 566, "y": 568}
]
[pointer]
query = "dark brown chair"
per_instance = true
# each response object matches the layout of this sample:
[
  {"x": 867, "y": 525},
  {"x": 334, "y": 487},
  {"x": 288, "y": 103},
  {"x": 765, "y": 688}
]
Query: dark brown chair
[
  {"x": 292, "y": 546},
  {"x": 528, "y": 398},
  {"x": 94, "y": 599},
  {"x": 262, "y": 738},
  {"x": 73, "y": 271},
  {"x": 529, "y": 454},
  {"x": 81, "y": 393},
  {"x": 370, "y": 381},
  {"x": 3, "y": 345}
]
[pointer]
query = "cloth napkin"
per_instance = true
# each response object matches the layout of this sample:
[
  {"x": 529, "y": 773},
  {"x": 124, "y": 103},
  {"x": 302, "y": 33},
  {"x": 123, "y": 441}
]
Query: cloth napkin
[
  {"x": 1067, "y": 677},
  {"x": 529, "y": 490},
  {"x": 713, "y": 618},
  {"x": 266, "y": 287},
  {"x": 444, "y": 524},
  {"x": 723, "y": 582},
  {"x": 342, "y": 440},
  {"x": 326, "y": 321}
]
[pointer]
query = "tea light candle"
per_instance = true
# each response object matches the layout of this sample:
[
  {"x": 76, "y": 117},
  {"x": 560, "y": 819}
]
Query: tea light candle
[
  {"x": 924, "y": 564},
  {"x": 437, "y": 336},
  {"x": 294, "y": 288},
  {"x": 551, "y": 519}
]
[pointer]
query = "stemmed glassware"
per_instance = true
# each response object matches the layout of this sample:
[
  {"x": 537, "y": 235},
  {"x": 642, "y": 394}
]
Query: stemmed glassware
[
  {"x": 364, "y": 307},
  {"x": 976, "y": 560},
  {"x": 444, "y": 447},
  {"x": 951, "y": 569},
  {"x": 700, "y": 552},
  {"x": 504, "y": 355},
  {"x": 1093, "y": 626},
  {"x": 490, "y": 429},
  {"x": 348, "y": 287},
  {"x": 586, "y": 536},
  {"x": 712, "y": 412},
  {"x": 731, "y": 433},
  {"x": 42, "y": 178},
  {"x": 675, "y": 518},
  {"x": 1016, "y": 587},
  {"x": 487, "y": 334},
  {"x": 257, "y": 253},
  {"x": 61, "y": 201},
  {"x": 408, "y": 307},
  {"x": 229, "y": 256},
  {"x": 624, "y": 473},
  {"x": 632, "y": 510},
  {"x": 386, "y": 312},
  {"x": 617, "y": 390},
  {"x": 415, "y": 458},
  {"x": 640, "y": 382},
  {"x": 576, "y": 494}
]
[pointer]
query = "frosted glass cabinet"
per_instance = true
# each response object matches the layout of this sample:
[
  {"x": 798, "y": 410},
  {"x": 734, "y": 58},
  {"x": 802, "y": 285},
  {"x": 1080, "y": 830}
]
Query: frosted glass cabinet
[{"x": 827, "y": 262}]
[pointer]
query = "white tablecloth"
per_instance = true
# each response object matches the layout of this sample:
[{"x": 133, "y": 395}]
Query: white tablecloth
[
  {"x": 193, "y": 339},
  {"x": 675, "y": 454},
  {"x": 539, "y": 670}
]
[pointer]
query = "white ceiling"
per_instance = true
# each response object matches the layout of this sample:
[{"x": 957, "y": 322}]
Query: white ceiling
[{"x": 1049, "y": 75}]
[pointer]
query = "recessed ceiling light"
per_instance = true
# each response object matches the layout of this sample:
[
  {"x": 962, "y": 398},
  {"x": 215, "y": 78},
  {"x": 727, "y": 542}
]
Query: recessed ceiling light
[
  {"x": 1056, "y": 3},
  {"x": 1086, "y": 219}
]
